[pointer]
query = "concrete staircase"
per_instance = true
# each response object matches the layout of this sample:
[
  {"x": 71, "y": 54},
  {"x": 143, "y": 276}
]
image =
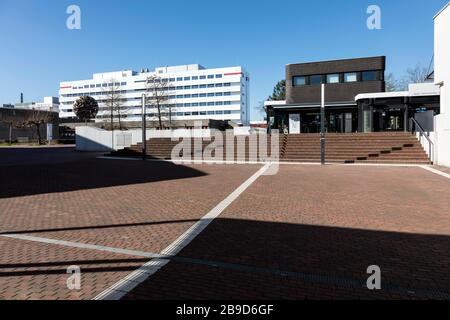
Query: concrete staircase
[
  {"x": 389, "y": 148},
  {"x": 161, "y": 148}
]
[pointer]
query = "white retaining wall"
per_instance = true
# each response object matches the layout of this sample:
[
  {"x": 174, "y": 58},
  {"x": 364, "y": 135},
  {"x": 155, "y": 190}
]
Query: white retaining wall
[
  {"x": 442, "y": 140},
  {"x": 96, "y": 139},
  {"x": 442, "y": 78}
]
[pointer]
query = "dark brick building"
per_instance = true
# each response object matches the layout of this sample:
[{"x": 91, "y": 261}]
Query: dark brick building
[{"x": 343, "y": 79}]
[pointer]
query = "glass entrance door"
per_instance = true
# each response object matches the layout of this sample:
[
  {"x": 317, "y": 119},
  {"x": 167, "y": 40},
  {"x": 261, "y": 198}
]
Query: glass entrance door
[
  {"x": 388, "y": 120},
  {"x": 368, "y": 119}
]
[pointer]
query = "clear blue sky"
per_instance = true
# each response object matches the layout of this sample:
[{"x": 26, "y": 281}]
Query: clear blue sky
[{"x": 37, "y": 51}]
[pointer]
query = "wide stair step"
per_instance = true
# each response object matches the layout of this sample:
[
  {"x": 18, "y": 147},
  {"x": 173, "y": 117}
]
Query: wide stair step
[{"x": 341, "y": 148}]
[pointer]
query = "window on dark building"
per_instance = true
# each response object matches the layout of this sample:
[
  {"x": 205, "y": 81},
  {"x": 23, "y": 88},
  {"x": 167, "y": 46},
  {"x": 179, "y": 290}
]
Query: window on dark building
[
  {"x": 315, "y": 79},
  {"x": 351, "y": 77},
  {"x": 333, "y": 78},
  {"x": 370, "y": 76},
  {"x": 299, "y": 81}
]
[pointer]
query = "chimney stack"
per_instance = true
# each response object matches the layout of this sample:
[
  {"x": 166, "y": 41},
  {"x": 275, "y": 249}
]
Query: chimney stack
[{"x": 21, "y": 97}]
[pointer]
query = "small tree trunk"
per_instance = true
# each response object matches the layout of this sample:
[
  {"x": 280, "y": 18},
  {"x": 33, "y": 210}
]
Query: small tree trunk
[
  {"x": 38, "y": 133},
  {"x": 120, "y": 120},
  {"x": 159, "y": 118}
]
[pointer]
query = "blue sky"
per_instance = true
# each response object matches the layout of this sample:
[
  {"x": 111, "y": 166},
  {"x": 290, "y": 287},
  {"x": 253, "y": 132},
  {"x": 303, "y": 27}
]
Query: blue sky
[{"x": 37, "y": 51}]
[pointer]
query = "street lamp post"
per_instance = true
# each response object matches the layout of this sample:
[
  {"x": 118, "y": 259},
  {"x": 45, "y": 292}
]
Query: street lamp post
[
  {"x": 144, "y": 127},
  {"x": 322, "y": 127}
]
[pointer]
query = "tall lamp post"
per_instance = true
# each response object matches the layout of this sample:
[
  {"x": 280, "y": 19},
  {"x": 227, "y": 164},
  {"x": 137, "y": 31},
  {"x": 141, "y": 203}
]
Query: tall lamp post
[
  {"x": 322, "y": 126},
  {"x": 144, "y": 127}
]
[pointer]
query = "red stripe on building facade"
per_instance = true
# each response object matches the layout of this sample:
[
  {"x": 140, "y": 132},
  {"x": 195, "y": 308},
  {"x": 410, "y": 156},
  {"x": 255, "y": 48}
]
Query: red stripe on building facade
[{"x": 233, "y": 74}]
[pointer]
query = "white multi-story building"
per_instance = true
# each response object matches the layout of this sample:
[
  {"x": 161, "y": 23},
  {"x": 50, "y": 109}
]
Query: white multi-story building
[{"x": 196, "y": 93}]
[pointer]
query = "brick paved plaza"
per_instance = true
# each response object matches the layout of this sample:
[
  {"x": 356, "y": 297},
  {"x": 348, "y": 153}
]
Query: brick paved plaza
[{"x": 307, "y": 232}]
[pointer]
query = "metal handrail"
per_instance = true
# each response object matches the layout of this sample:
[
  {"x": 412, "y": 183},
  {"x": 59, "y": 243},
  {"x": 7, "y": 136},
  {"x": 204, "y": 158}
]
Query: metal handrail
[{"x": 423, "y": 133}]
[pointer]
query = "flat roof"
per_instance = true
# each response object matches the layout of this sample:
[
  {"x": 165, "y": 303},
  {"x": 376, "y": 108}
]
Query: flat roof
[
  {"x": 396, "y": 94},
  {"x": 313, "y": 105},
  {"x": 335, "y": 60},
  {"x": 442, "y": 10},
  {"x": 274, "y": 103}
]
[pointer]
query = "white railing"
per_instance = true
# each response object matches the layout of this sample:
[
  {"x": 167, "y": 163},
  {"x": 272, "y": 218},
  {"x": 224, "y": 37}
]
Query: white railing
[{"x": 424, "y": 138}]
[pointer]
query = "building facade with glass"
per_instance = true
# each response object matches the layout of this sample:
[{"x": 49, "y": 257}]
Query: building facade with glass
[
  {"x": 194, "y": 93},
  {"x": 355, "y": 99},
  {"x": 343, "y": 79}
]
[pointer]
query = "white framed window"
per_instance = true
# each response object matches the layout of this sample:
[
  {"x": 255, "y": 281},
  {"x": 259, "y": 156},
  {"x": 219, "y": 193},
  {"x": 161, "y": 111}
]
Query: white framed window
[
  {"x": 333, "y": 78},
  {"x": 299, "y": 81},
  {"x": 350, "y": 77}
]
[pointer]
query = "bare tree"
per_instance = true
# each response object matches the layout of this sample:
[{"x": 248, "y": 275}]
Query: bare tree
[
  {"x": 12, "y": 121},
  {"x": 392, "y": 84},
  {"x": 417, "y": 75},
  {"x": 36, "y": 118},
  {"x": 11, "y": 124},
  {"x": 158, "y": 97},
  {"x": 113, "y": 100}
]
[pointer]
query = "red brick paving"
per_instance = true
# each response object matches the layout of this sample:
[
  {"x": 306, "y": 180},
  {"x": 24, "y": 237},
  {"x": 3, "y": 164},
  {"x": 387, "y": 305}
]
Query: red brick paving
[
  {"x": 143, "y": 216},
  {"x": 35, "y": 271},
  {"x": 313, "y": 221},
  {"x": 124, "y": 204},
  {"x": 333, "y": 221}
]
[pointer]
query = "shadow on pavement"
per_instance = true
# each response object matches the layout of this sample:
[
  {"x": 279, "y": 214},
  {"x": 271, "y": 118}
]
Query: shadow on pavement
[
  {"x": 91, "y": 173},
  {"x": 241, "y": 259},
  {"x": 258, "y": 260}
]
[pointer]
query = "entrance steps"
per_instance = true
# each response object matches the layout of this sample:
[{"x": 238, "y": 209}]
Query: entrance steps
[
  {"x": 402, "y": 148},
  {"x": 396, "y": 147}
]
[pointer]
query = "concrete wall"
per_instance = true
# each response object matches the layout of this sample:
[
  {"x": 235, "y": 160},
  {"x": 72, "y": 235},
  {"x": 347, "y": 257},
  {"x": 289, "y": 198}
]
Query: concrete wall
[
  {"x": 442, "y": 140},
  {"x": 18, "y": 117},
  {"x": 442, "y": 77},
  {"x": 96, "y": 139},
  {"x": 431, "y": 152},
  {"x": 16, "y": 133},
  {"x": 90, "y": 138}
]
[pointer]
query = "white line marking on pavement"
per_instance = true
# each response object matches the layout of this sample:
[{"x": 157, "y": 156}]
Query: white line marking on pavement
[
  {"x": 121, "y": 288},
  {"x": 82, "y": 245},
  {"x": 443, "y": 174}
]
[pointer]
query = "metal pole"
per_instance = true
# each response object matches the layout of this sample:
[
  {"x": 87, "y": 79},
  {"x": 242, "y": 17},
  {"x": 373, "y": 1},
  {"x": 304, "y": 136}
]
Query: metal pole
[
  {"x": 405, "y": 120},
  {"x": 322, "y": 127},
  {"x": 10, "y": 133},
  {"x": 144, "y": 128}
]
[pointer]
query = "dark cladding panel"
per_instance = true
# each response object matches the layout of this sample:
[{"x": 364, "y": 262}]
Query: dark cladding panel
[
  {"x": 336, "y": 92},
  {"x": 325, "y": 67}
]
